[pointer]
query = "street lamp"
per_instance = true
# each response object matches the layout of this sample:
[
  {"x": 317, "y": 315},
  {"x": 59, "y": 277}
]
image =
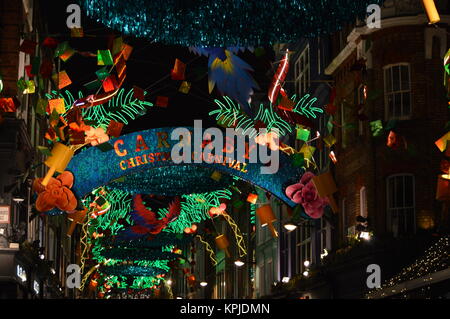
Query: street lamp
[
  {"x": 239, "y": 263},
  {"x": 203, "y": 284},
  {"x": 290, "y": 226}
]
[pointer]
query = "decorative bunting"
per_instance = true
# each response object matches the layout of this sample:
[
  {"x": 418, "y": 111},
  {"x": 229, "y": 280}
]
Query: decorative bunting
[
  {"x": 76, "y": 32},
  {"x": 7, "y": 104},
  {"x": 61, "y": 48},
  {"x": 102, "y": 73},
  {"x": 110, "y": 83},
  {"x": 178, "y": 70},
  {"x": 377, "y": 128},
  {"x": 138, "y": 93},
  {"x": 185, "y": 87},
  {"x": 114, "y": 128},
  {"x": 46, "y": 69},
  {"x": 31, "y": 87},
  {"x": 28, "y": 70},
  {"x": 41, "y": 106},
  {"x": 76, "y": 137},
  {"x": 442, "y": 142},
  {"x": 44, "y": 150},
  {"x": 303, "y": 133},
  {"x": 329, "y": 140},
  {"x": 50, "y": 42},
  {"x": 252, "y": 198},
  {"x": 62, "y": 80},
  {"x": 22, "y": 84},
  {"x": 308, "y": 151},
  {"x": 67, "y": 54},
  {"x": 127, "y": 49},
  {"x": 120, "y": 66},
  {"x": 28, "y": 47},
  {"x": 298, "y": 160},
  {"x": 286, "y": 104},
  {"x": 104, "y": 57},
  {"x": 162, "y": 101},
  {"x": 117, "y": 46},
  {"x": 57, "y": 105}
]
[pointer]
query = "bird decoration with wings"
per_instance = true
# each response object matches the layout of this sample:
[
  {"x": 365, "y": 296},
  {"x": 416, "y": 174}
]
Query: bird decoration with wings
[{"x": 145, "y": 220}]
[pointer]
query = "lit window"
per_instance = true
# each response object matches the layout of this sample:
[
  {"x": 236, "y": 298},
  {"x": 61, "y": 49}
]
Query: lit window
[
  {"x": 400, "y": 204},
  {"x": 361, "y": 99},
  {"x": 397, "y": 91}
]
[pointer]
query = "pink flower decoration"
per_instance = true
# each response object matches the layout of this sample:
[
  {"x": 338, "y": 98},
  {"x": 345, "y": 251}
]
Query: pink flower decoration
[
  {"x": 96, "y": 136},
  {"x": 305, "y": 193},
  {"x": 268, "y": 139}
]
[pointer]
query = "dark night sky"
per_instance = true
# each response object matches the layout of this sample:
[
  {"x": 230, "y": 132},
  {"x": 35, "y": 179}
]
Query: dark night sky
[{"x": 148, "y": 64}]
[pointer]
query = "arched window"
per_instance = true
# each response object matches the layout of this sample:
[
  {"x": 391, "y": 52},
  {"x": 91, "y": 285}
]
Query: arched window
[{"x": 401, "y": 204}]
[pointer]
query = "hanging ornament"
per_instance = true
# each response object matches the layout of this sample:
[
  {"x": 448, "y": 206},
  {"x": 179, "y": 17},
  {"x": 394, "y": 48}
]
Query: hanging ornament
[
  {"x": 267, "y": 217},
  {"x": 223, "y": 244},
  {"x": 279, "y": 78}
]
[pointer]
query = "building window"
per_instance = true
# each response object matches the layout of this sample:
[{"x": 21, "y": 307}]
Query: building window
[
  {"x": 400, "y": 204},
  {"x": 360, "y": 101},
  {"x": 302, "y": 72},
  {"x": 269, "y": 277},
  {"x": 363, "y": 202},
  {"x": 221, "y": 291},
  {"x": 304, "y": 246},
  {"x": 344, "y": 222},
  {"x": 325, "y": 235},
  {"x": 397, "y": 91},
  {"x": 261, "y": 280}
]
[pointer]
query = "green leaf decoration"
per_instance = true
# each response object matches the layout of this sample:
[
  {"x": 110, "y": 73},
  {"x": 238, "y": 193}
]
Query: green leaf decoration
[
  {"x": 305, "y": 106},
  {"x": 230, "y": 113},
  {"x": 122, "y": 108},
  {"x": 194, "y": 209}
]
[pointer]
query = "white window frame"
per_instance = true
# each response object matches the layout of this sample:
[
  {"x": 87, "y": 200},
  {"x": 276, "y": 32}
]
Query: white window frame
[
  {"x": 390, "y": 209},
  {"x": 302, "y": 72},
  {"x": 401, "y": 91},
  {"x": 302, "y": 242},
  {"x": 325, "y": 227}
]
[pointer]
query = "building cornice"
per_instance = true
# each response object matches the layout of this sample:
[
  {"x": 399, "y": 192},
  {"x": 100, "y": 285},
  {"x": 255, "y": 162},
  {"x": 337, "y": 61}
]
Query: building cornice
[{"x": 356, "y": 33}]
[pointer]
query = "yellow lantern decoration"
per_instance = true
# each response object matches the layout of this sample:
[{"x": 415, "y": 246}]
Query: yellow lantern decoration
[
  {"x": 58, "y": 161},
  {"x": 267, "y": 217},
  {"x": 425, "y": 219},
  {"x": 223, "y": 244},
  {"x": 443, "y": 188},
  {"x": 432, "y": 13},
  {"x": 76, "y": 218},
  {"x": 326, "y": 187}
]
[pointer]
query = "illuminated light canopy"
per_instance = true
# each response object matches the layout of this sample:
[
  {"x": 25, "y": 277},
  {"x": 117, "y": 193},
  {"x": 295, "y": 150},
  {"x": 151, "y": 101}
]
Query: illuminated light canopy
[{"x": 248, "y": 23}]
